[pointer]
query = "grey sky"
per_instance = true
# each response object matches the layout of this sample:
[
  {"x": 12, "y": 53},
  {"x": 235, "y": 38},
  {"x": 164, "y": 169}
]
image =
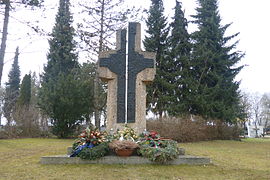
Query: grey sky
[{"x": 249, "y": 17}]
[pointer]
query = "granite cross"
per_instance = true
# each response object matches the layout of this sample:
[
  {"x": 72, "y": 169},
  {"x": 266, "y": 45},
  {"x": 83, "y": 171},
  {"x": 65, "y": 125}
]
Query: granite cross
[{"x": 125, "y": 64}]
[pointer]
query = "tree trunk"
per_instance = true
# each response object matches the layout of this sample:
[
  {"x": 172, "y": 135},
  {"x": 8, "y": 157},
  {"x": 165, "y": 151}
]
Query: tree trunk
[
  {"x": 160, "y": 115},
  {"x": 97, "y": 118},
  {"x": 256, "y": 130},
  {"x": 4, "y": 36},
  {"x": 4, "y": 40},
  {"x": 97, "y": 107}
]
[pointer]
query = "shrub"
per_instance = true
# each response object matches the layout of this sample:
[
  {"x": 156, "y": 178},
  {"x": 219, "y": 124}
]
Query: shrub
[
  {"x": 8, "y": 132},
  {"x": 186, "y": 129}
]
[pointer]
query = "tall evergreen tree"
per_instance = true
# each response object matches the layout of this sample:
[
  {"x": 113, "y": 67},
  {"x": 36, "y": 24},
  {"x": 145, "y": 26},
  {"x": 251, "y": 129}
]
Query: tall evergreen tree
[
  {"x": 35, "y": 84},
  {"x": 62, "y": 57},
  {"x": 60, "y": 96},
  {"x": 155, "y": 41},
  {"x": 87, "y": 77},
  {"x": 214, "y": 66},
  {"x": 26, "y": 113},
  {"x": 12, "y": 88},
  {"x": 179, "y": 68},
  {"x": 25, "y": 91}
]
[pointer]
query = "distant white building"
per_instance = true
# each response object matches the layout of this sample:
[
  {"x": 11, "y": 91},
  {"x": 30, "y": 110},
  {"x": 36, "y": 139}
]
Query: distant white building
[{"x": 251, "y": 130}]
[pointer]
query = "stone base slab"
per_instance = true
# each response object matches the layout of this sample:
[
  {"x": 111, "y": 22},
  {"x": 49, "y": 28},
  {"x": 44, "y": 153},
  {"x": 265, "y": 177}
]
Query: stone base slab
[{"x": 65, "y": 159}]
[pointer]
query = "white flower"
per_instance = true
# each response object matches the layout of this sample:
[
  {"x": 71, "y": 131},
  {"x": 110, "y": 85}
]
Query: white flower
[{"x": 121, "y": 138}]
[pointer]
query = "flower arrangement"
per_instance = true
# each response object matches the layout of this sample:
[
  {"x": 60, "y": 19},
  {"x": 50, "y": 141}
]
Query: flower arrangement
[
  {"x": 151, "y": 135},
  {"x": 90, "y": 141},
  {"x": 124, "y": 147},
  {"x": 93, "y": 144},
  {"x": 123, "y": 143},
  {"x": 151, "y": 138},
  {"x": 126, "y": 134},
  {"x": 91, "y": 136},
  {"x": 117, "y": 145}
]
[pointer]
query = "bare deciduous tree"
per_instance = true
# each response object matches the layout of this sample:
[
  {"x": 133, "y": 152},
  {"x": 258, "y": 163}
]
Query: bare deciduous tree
[
  {"x": 265, "y": 103},
  {"x": 7, "y": 4}
]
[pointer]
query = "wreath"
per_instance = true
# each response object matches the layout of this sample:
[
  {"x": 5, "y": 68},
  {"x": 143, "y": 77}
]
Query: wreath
[
  {"x": 95, "y": 152},
  {"x": 157, "y": 149},
  {"x": 91, "y": 145}
]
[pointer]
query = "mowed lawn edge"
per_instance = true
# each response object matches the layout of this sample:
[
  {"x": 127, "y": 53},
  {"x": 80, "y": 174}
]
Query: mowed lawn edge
[{"x": 246, "y": 159}]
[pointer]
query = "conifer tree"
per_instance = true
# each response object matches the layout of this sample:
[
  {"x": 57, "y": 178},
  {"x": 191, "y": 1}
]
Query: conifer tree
[
  {"x": 62, "y": 95},
  {"x": 26, "y": 114},
  {"x": 12, "y": 88},
  {"x": 155, "y": 41},
  {"x": 179, "y": 60},
  {"x": 25, "y": 91},
  {"x": 35, "y": 84},
  {"x": 214, "y": 66},
  {"x": 62, "y": 57}
]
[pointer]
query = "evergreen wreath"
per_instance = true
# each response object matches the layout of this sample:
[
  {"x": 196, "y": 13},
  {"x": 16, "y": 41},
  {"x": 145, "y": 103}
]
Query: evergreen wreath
[
  {"x": 157, "y": 149},
  {"x": 166, "y": 151},
  {"x": 95, "y": 152}
]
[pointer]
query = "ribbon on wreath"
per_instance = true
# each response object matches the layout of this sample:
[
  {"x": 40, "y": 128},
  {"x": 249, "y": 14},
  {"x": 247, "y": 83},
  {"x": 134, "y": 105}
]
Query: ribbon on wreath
[{"x": 80, "y": 148}]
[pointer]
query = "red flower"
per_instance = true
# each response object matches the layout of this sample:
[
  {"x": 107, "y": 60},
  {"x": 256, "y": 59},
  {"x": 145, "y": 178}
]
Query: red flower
[{"x": 153, "y": 134}]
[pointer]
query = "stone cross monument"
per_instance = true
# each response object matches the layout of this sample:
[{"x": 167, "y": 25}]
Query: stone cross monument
[{"x": 127, "y": 70}]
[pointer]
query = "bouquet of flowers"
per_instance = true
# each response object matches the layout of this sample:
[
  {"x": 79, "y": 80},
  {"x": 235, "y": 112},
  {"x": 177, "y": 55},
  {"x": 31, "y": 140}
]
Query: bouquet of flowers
[
  {"x": 151, "y": 139},
  {"x": 88, "y": 139},
  {"x": 126, "y": 134},
  {"x": 91, "y": 136}
]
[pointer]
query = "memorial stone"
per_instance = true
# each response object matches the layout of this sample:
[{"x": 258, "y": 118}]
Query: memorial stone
[{"x": 127, "y": 71}]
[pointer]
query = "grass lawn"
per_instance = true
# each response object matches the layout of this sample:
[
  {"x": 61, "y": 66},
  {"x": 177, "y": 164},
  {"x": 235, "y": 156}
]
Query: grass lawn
[{"x": 248, "y": 159}]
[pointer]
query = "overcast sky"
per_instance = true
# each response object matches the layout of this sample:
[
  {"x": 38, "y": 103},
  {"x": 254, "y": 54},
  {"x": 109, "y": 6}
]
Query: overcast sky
[{"x": 249, "y": 17}]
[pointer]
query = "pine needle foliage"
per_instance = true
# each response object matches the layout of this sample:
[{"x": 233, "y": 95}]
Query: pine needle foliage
[
  {"x": 156, "y": 41},
  {"x": 214, "y": 66},
  {"x": 179, "y": 49},
  {"x": 12, "y": 88},
  {"x": 62, "y": 96}
]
